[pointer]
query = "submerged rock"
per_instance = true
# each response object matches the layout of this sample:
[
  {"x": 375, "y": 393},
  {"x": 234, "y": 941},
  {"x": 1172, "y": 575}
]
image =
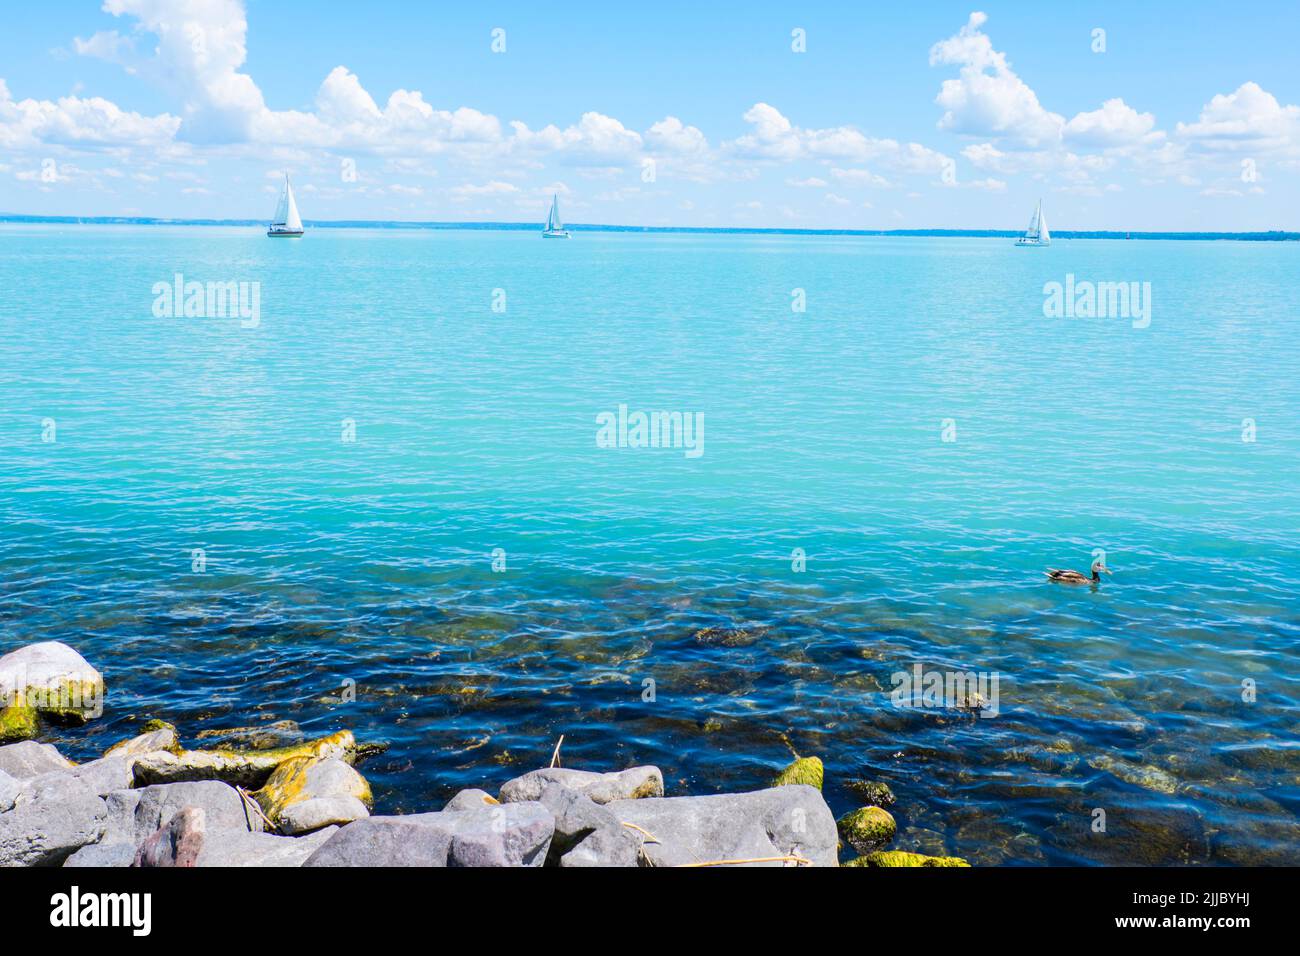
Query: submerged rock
[
  {"x": 779, "y": 826},
  {"x": 805, "y": 770},
  {"x": 305, "y": 793},
  {"x": 50, "y": 678},
  {"x": 631, "y": 784},
  {"x": 281, "y": 733},
  {"x": 1149, "y": 778},
  {"x": 867, "y": 829},
  {"x": 249, "y": 768},
  {"x": 872, "y": 793},
  {"x": 893, "y": 858},
  {"x": 516, "y": 834}
]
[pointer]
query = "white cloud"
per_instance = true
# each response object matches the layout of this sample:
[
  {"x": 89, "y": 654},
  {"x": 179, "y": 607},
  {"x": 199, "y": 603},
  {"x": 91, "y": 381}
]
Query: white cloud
[
  {"x": 1248, "y": 119},
  {"x": 1115, "y": 124},
  {"x": 989, "y": 99},
  {"x": 670, "y": 135},
  {"x": 77, "y": 121}
]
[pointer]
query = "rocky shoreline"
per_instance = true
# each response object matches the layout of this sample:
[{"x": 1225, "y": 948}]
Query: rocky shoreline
[{"x": 150, "y": 802}]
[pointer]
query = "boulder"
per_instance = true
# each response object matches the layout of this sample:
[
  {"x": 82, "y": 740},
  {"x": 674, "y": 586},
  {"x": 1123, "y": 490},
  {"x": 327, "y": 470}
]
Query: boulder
[
  {"x": 511, "y": 835},
  {"x": 177, "y": 843},
  {"x": 157, "y": 735},
  {"x": 470, "y": 800},
  {"x": 281, "y": 733},
  {"x": 248, "y": 769},
  {"x": 305, "y": 793},
  {"x": 872, "y": 793},
  {"x": 30, "y": 759},
  {"x": 102, "y": 855},
  {"x": 9, "y": 788},
  {"x": 53, "y": 679},
  {"x": 774, "y": 826},
  {"x": 98, "y": 777},
  {"x": 45, "y": 833},
  {"x": 631, "y": 784},
  {"x": 867, "y": 829},
  {"x": 18, "y": 720},
  {"x": 586, "y": 833},
  {"x": 805, "y": 770},
  {"x": 227, "y": 848},
  {"x": 223, "y": 807}
]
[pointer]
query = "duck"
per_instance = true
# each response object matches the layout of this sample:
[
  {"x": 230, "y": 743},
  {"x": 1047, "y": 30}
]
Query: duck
[{"x": 1075, "y": 577}]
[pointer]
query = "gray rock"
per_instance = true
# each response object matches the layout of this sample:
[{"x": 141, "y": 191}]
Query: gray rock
[
  {"x": 45, "y": 833},
  {"x": 631, "y": 784},
  {"x": 782, "y": 821},
  {"x": 177, "y": 844},
  {"x": 30, "y": 759},
  {"x": 120, "y": 825},
  {"x": 320, "y": 812},
  {"x": 223, "y": 807},
  {"x": 587, "y": 834},
  {"x": 470, "y": 800},
  {"x": 164, "y": 738},
  {"x": 234, "y": 848},
  {"x": 54, "y": 679},
  {"x": 101, "y": 855},
  {"x": 515, "y": 835},
  {"x": 9, "y": 788},
  {"x": 98, "y": 777}
]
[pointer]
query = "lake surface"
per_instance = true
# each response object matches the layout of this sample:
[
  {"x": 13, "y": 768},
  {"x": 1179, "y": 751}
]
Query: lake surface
[{"x": 647, "y": 603}]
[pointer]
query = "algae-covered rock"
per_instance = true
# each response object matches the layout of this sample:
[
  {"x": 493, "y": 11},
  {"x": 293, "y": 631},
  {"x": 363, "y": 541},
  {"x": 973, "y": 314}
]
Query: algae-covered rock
[
  {"x": 18, "y": 721},
  {"x": 805, "y": 770},
  {"x": 872, "y": 793},
  {"x": 867, "y": 829},
  {"x": 158, "y": 735},
  {"x": 305, "y": 793},
  {"x": 249, "y": 768},
  {"x": 891, "y": 858},
  {"x": 52, "y": 679},
  {"x": 1147, "y": 777},
  {"x": 281, "y": 733}
]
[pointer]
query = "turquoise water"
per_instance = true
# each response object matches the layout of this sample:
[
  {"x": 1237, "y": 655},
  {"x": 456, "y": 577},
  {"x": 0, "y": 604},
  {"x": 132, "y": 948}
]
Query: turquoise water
[{"x": 329, "y": 561}]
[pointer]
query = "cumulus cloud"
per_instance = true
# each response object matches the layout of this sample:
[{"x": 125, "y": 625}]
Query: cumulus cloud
[
  {"x": 74, "y": 121},
  {"x": 988, "y": 98},
  {"x": 1248, "y": 119},
  {"x": 1115, "y": 124}
]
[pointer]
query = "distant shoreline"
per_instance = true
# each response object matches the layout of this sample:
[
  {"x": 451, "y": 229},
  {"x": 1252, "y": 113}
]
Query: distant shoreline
[{"x": 1270, "y": 236}]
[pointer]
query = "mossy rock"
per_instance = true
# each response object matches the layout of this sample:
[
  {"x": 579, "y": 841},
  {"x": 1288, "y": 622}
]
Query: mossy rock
[
  {"x": 243, "y": 768},
  {"x": 300, "y": 779},
  {"x": 892, "y": 858},
  {"x": 872, "y": 792},
  {"x": 18, "y": 722},
  {"x": 867, "y": 829},
  {"x": 805, "y": 770},
  {"x": 156, "y": 735}
]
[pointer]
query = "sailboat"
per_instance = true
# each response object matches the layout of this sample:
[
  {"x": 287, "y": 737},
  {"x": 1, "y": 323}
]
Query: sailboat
[
  {"x": 286, "y": 224},
  {"x": 554, "y": 228},
  {"x": 1036, "y": 234}
]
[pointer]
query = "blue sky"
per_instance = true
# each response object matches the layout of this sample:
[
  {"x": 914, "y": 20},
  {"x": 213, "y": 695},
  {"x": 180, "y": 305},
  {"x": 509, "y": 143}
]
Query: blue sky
[{"x": 910, "y": 116}]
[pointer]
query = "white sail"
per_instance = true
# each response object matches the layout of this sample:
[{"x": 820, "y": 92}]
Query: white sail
[
  {"x": 282, "y": 207},
  {"x": 1043, "y": 235},
  {"x": 291, "y": 221},
  {"x": 553, "y": 223},
  {"x": 1036, "y": 234},
  {"x": 1032, "y": 231}
]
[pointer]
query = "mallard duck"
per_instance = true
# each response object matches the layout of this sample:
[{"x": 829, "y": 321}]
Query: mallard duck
[{"x": 1075, "y": 577}]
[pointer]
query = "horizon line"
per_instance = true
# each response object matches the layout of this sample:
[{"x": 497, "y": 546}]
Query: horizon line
[{"x": 492, "y": 225}]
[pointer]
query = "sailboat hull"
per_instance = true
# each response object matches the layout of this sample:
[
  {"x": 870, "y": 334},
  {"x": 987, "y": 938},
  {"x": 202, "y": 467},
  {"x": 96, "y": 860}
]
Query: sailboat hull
[
  {"x": 556, "y": 234},
  {"x": 1022, "y": 241},
  {"x": 284, "y": 233}
]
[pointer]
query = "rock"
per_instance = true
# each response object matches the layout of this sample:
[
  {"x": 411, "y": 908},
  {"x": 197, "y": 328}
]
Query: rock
[
  {"x": 47, "y": 832},
  {"x": 516, "y": 834},
  {"x": 177, "y": 843},
  {"x": 101, "y": 855},
  {"x": 867, "y": 829},
  {"x": 1149, "y": 778},
  {"x": 469, "y": 800},
  {"x": 631, "y": 784},
  {"x": 872, "y": 793},
  {"x": 9, "y": 788},
  {"x": 54, "y": 679},
  {"x": 158, "y": 735},
  {"x": 305, "y": 793},
  {"x": 18, "y": 720},
  {"x": 786, "y": 821},
  {"x": 234, "y": 848},
  {"x": 245, "y": 768},
  {"x": 30, "y": 759},
  {"x": 892, "y": 858},
  {"x": 98, "y": 777},
  {"x": 223, "y": 807},
  {"x": 586, "y": 833},
  {"x": 281, "y": 733},
  {"x": 805, "y": 770}
]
